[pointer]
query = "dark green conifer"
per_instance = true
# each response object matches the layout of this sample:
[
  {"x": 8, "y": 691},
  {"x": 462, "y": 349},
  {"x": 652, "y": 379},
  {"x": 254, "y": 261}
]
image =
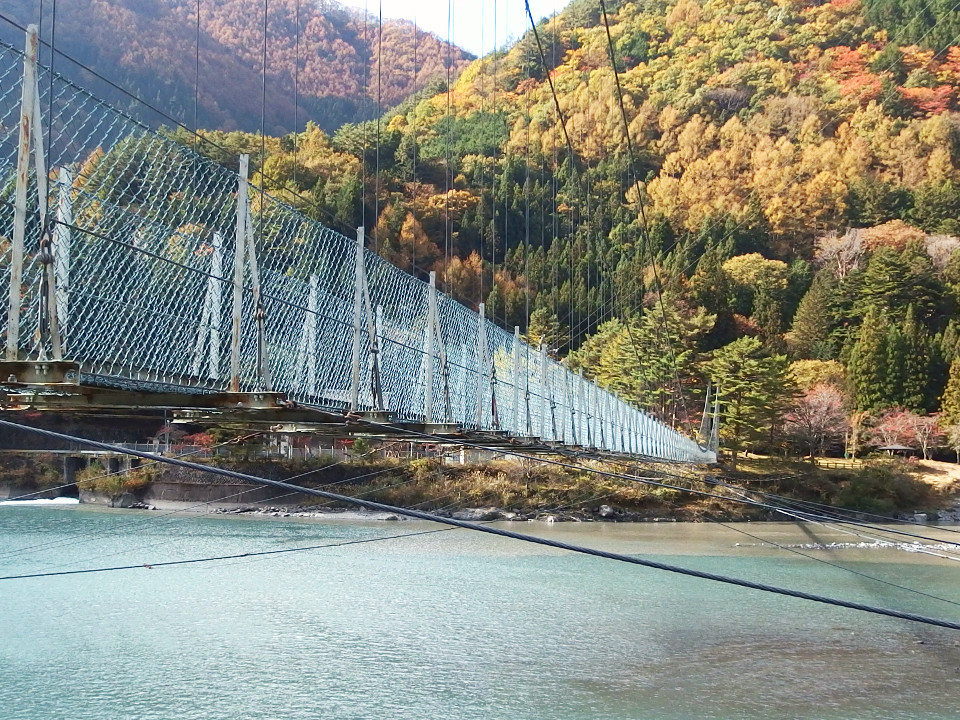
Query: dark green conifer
[
  {"x": 948, "y": 341},
  {"x": 894, "y": 280},
  {"x": 916, "y": 358},
  {"x": 950, "y": 405},
  {"x": 754, "y": 388},
  {"x": 892, "y": 390},
  {"x": 809, "y": 334},
  {"x": 867, "y": 367},
  {"x": 768, "y": 316}
]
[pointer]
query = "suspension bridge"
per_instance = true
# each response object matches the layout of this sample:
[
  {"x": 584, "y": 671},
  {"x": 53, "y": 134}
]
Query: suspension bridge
[{"x": 142, "y": 275}]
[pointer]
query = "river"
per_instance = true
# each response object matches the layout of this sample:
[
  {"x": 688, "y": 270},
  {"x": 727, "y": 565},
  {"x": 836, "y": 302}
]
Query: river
[{"x": 456, "y": 625}]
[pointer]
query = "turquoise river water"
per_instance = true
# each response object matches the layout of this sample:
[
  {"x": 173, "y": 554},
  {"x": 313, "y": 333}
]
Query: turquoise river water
[{"x": 456, "y": 625}]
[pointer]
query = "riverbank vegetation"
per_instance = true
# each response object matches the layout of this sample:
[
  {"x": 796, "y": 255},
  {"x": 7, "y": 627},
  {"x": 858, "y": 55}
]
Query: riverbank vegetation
[
  {"x": 529, "y": 489},
  {"x": 29, "y": 471},
  {"x": 95, "y": 478}
]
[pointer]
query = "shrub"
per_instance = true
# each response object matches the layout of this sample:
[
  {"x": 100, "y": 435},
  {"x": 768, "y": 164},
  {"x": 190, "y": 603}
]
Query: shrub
[
  {"x": 95, "y": 478},
  {"x": 882, "y": 489}
]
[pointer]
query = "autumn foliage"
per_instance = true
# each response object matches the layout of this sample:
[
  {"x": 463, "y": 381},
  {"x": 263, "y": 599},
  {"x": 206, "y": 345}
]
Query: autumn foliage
[{"x": 793, "y": 193}]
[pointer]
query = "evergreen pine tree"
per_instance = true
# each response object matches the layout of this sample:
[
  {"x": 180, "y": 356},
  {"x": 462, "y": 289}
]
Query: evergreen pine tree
[
  {"x": 710, "y": 285},
  {"x": 916, "y": 364},
  {"x": 754, "y": 388},
  {"x": 711, "y": 289},
  {"x": 809, "y": 334},
  {"x": 799, "y": 278},
  {"x": 892, "y": 388},
  {"x": 767, "y": 314},
  {"x": 587, "y": 356},
  {"x": 894, "y": 280},
  {"x": 867, "y": 367},
  {"x": 950, "y": 406},
  {"x": 546, "y": 328},
  {"x": 949, "y": 341},
  {"x": 937, "y": 374}
]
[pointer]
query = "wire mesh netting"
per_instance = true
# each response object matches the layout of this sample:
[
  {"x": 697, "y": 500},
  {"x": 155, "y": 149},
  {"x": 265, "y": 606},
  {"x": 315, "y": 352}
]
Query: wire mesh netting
[{"x": 145, "y": 244}]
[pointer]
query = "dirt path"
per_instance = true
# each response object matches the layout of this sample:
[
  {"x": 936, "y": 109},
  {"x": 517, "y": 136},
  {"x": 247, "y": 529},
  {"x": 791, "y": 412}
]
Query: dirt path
[{"x": 943, "y": 476}]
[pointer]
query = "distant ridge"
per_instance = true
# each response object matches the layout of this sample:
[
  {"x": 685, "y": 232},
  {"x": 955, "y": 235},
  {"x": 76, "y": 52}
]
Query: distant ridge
[{"x": 149, "y": 47}]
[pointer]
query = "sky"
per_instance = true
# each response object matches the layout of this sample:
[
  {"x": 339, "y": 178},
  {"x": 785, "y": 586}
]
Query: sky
[{"x": 473, "y": 26}]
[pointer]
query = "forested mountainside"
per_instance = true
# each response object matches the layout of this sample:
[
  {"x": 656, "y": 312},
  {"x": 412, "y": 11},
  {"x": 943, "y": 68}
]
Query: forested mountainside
[
  {"x": 786, "y": 228},
  {"x": 149, "y": 47}
]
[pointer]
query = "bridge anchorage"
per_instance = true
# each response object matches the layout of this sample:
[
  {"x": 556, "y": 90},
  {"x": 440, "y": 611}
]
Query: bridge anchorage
[{"x": 118, "y": 281}]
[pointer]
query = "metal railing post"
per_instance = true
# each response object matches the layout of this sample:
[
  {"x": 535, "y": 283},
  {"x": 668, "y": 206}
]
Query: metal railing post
[
  {"x": 28, "y": 98},
  {"x": 241, "y": 241},
  {"x": 516, "y": 379},
  {"x": 357, "y": 311},
  {"x": 481, "y": 363},
  {"x": 428, "y": 360},
  {"x": 543, "y": 391},
  {"x": 209, "y": 329}
]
